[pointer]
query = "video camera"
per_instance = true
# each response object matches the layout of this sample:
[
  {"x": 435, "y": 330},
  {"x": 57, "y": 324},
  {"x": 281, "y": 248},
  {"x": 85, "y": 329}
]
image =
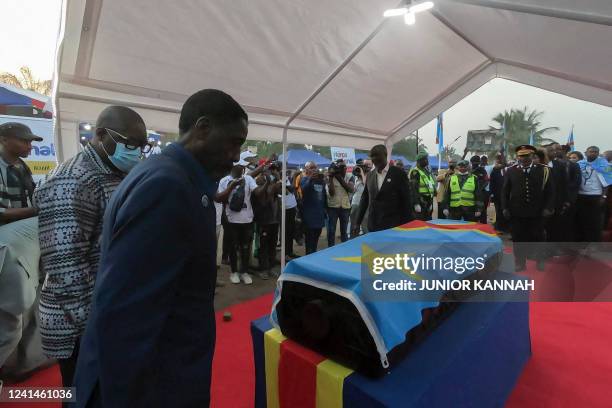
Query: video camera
[{"x": 337, "y": 167}]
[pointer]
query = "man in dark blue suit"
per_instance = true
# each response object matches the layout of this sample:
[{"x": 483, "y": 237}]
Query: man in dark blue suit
[{"x": 150, "y": 337}]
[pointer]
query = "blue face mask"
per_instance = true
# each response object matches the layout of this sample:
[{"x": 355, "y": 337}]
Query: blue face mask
[{"x": 124, "y": 159}]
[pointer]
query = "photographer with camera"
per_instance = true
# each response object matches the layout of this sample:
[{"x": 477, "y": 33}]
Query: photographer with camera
[
  {"x": 314, "y": 201},
  {"x": 266, "y": 210},
  {"x": 235, "y": 191},
  {"x": 339, "y": 191}
]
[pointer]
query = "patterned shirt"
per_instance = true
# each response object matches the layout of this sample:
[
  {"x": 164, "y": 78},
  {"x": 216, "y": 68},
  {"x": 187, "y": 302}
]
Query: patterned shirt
[{"x": 71, "y": 202}]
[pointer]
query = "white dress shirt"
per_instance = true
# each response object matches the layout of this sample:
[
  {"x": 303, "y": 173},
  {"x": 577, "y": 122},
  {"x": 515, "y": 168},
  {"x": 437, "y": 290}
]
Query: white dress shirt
[{"x": 381, "y": 175}]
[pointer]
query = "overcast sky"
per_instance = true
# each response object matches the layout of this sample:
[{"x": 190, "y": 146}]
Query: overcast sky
[{"x": 29, "y": 31}]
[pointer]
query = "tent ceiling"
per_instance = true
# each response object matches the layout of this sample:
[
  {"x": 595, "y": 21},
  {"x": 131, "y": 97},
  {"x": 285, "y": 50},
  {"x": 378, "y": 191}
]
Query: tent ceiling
[{"x": 271, "y": 55}]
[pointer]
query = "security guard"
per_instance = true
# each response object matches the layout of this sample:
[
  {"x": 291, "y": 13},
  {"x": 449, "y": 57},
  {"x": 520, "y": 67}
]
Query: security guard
[
  {"x": 527, "y": 198},
  {"x": 463, "y": 198},
  {"x": 16, "y": 183},
  {"x": 422, "y": 187}
]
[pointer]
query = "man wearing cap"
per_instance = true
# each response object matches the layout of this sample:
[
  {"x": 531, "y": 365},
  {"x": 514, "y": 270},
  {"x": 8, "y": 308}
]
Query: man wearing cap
[
  {"x": 16, "y": 183},
  {"x": 422, "y": 187},
  {"x": 464, "y": 194},
  {"x": 240, "y": 219},
  {"x": 71, "y": 201},
  {"x": 20, "y": 278},
  {"x": 527, "y": 199}
]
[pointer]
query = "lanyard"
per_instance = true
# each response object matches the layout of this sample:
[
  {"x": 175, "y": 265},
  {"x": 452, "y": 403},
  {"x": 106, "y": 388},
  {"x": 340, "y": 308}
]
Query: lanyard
[{"x": 589, "y": 174}]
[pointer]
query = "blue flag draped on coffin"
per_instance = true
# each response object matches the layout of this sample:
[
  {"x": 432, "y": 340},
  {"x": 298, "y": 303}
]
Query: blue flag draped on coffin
[{"x": 339, "y": 270}]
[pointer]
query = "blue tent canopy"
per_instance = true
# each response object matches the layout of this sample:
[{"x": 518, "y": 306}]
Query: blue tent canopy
[
  {"x": 394, "y": 157},
  {"x": 433, "y": 163},
  {"x": 299, "y": 157}
]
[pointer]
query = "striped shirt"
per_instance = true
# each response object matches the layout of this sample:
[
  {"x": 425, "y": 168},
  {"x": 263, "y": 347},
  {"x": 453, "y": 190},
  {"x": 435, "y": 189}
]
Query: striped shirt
[{"x": 71, "y": 202}]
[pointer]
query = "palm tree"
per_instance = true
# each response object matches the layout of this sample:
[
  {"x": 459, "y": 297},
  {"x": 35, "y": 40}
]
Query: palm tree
[
  {"x": 27, "y": 81},
  {"x": 519, "y": 124}
]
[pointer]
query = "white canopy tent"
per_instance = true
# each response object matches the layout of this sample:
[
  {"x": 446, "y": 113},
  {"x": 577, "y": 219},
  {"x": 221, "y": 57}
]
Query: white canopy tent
[{"x": 328, "y": 72}]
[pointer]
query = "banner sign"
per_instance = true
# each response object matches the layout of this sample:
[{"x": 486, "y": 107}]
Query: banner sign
[
  {"x": 345, "y": 153},
  {"x": 42, "y": 158}
]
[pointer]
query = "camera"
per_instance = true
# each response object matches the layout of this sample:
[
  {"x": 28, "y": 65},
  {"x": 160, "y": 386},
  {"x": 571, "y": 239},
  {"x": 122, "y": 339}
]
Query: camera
[{"x": 276, "y": 165}]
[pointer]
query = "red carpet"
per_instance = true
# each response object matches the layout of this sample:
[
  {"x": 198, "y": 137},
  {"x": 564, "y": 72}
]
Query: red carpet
[
  {"x": 571, "y": 364},
  {"x": 233, "y": 381}
]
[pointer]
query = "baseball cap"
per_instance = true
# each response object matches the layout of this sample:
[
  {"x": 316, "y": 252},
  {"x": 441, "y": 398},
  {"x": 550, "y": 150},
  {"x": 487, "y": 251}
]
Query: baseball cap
[
  {"x": 243, "y": 156},
  {"x": 18, "y": 130}
]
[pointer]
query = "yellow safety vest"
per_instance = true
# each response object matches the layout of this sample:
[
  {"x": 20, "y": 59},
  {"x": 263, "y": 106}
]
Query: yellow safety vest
[
  {"x": 462, "y": 196},
  {"x": 426, "y": 183}
]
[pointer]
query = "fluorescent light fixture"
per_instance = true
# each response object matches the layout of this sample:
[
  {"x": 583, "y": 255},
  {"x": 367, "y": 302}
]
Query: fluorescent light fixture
[
  {"x": 417, "y": 8},
  {"x": 409, "y": 18},
  {"x": 87, "y": 126},
  {"x": 395, "y": 12}
]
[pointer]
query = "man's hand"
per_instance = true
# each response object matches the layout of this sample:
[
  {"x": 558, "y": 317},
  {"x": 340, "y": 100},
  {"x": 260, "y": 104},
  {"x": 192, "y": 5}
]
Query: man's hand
[
  {"x": 446, "y": 212},
  {"x": 566, "y": 206},
  {"x": 547, "y": 213},
  {"x": 506, "y": 214},
  {"x": 477, "y": 214},
  {"x": 417, "y": 208},
  {"x": 234, "y": 183}
]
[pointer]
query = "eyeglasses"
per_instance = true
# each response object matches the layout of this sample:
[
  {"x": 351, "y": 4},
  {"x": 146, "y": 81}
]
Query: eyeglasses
[{"x": 146, "y": 148}]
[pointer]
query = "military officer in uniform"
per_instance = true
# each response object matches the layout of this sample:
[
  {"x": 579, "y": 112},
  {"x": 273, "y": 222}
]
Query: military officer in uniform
[
  {"x": 464, "y": 195},
  {"x": 422, "y": 187},
  {"x": 527, "y": 199}
]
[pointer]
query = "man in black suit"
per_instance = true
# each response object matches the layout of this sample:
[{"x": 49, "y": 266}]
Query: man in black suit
[
  {"x": 527, "y": 199},
  {"x": 557, "y": 226},
  {"x": 386, "y": 195}
]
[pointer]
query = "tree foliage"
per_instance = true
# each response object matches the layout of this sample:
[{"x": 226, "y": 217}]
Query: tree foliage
[
  {"x": 519, "y": 124},
  {"x": 407, "y": 148},
  {"x": 26, "y": 80}
]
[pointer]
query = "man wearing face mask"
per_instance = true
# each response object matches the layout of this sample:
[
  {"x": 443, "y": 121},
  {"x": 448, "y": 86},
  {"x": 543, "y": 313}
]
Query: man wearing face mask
[
  {"x": 71, "y": 203},
  {"x": 464, "y": 195},
  {"x": 151, "y": 334},
  {"x": 422, "y": 187}
]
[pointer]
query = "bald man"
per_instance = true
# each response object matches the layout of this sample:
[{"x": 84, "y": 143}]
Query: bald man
[{"x": 71, "y": 203}]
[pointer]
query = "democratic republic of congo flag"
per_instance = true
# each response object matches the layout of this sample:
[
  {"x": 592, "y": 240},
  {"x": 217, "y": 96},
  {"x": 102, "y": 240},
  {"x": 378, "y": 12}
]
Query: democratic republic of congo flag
[{"x": 339, "y": 270}]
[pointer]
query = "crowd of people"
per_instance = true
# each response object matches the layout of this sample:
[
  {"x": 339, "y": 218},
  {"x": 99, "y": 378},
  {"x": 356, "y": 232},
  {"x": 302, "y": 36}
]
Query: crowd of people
[{"x": 127, "y": 269}]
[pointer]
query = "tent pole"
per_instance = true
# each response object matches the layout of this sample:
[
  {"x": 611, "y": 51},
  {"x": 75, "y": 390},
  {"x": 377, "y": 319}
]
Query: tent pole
[{"x": 283, "y": 207}]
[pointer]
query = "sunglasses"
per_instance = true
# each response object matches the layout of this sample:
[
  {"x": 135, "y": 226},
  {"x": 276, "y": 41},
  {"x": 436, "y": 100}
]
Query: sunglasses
[{"x": 146, "y": 148}]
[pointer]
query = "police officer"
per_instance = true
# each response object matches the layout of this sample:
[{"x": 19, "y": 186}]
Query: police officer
[
  {"x": 527, "y": 198},
  {"x": 464, "y": 194},
  {"x": 423, "y": 188}
]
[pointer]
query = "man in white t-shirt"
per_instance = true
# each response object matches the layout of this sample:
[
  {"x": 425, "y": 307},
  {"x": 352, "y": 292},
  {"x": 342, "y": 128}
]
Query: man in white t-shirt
[{"x": 235, "y": 191}]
